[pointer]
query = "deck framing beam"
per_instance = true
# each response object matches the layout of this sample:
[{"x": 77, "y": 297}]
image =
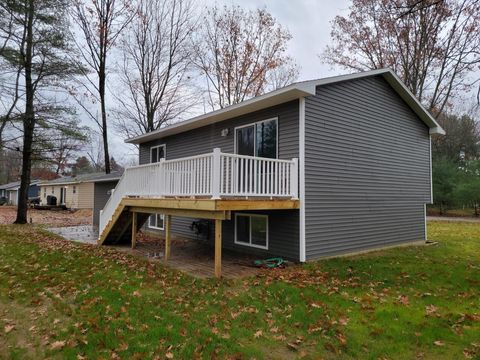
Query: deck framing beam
[{"x": 200, "y": 214}]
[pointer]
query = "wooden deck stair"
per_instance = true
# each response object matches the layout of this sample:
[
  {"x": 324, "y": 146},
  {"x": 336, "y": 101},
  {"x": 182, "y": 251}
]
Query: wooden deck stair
[{"x": 119, "y": 228}]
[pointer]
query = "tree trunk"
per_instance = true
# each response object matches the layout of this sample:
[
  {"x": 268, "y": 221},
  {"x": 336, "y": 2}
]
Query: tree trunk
[
  {"x": 28, "y": 121},
  {"x": 101, "y": 88}
]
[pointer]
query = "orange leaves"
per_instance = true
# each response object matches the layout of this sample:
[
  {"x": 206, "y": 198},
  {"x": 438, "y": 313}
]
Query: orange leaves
[{"x": 243, "y": 53}]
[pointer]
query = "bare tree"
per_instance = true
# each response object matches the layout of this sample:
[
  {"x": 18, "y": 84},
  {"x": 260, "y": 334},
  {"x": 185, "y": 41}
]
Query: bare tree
[
  {"x": 63, "y": 151},
  {"x": 156, "y": 64},
  {"x": 433, "y": 45},
  {"x": 237, "y": 50},
  {"x": 101, "y": 23}
]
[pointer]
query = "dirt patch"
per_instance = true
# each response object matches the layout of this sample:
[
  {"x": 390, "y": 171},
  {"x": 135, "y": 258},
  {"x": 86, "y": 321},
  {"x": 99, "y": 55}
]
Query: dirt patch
[{"x": 48, "y": 217}]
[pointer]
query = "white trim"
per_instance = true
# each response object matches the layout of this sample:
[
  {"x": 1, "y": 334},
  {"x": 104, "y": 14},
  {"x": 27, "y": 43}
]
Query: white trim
[
  {"x": 301, "y": 131},
  {"x": 156, "y": 147},
  {"x": 156, "y": 227},
  {"x": 430, "y": 159},
  {"x": 425, "y": 221},
  {"x": 289, "y": 93},
  {"x": 254, "y": 135},
  {"x": 250, "y": 231}
]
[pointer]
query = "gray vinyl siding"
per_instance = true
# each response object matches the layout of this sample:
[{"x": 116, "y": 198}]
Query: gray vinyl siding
[
  {"x": 282, "y": 224},
  {"x": 100, "y": 197},
  {"x": 205, "y": 139},
  {"x": 367, "y": 169}
]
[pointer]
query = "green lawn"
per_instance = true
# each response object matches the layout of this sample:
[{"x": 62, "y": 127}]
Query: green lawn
[{"x": 62, "y": 300}]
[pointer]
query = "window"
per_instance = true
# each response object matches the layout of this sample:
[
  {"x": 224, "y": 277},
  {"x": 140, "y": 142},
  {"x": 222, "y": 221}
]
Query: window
[
  {"x": 44, "y": 192},
  {"x": 157, "y": 153},
  {"x": 156, "y": 221},
  {"x": 53, "y": 190},
  {"x": 258, "y": 139},
  {"x": 251, "y": 230},
  {"x": 74, "y": 189}
]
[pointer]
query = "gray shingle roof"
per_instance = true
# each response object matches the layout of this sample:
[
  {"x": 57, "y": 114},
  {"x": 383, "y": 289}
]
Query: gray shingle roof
[{"x": 93, "y": 177}]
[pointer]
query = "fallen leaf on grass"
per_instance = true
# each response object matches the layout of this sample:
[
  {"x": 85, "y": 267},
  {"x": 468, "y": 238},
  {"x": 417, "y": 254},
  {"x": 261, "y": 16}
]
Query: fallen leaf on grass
[
  {"x": 9, "y": 328},
  {"x": 431, "y": 309},
  {"x": 292, "y": 346},
  {"x": 123, "y": 347},
  {"x": 439, "y": 343},
  {"x": 136, "y": 293},
  {"x": 169, "y": 355},
  {"x": 403, "y": 299},
  {"x": 341, "y": 338},
  {"x": 258, "y": 334},
  {"x": 57, "y": 345},
  {"x": 343, "y": 320}
]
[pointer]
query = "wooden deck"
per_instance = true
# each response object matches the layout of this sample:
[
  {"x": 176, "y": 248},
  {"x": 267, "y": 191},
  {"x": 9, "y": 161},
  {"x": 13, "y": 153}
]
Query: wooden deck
[
  {"x": 195, "y": 258},
  {"x": 132, "y": 212}
]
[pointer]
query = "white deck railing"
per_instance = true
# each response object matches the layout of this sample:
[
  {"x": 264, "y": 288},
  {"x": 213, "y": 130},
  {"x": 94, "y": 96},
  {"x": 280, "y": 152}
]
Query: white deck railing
[{"x": 216, "y": 175}]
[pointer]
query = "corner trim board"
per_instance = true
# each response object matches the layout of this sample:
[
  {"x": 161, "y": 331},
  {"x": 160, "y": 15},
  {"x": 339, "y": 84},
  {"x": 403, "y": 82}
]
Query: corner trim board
[{"x": 301, "y": 119}]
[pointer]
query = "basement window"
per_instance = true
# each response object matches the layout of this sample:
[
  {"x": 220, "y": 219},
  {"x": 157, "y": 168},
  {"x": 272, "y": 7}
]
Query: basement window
[
  {"x": 251, "y": 230},
  {"x": 157, "y": 221}
]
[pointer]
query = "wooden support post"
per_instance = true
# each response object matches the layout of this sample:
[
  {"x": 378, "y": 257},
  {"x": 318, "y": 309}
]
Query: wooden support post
[
  {"x": 134, "y": 229},
  {"x": 218, "y": 248},
  {"x": 168, "y": 221}
]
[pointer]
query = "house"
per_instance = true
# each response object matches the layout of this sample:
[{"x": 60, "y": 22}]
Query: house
[
  {"x": 75, "y": 192},
  {"x": 10, "y": 191},
  {"x": 315, "y": 169}
]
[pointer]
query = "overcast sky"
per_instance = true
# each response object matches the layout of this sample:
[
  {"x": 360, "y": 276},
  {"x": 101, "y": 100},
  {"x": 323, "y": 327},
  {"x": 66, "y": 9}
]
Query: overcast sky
[{"x": 309, "y": 23}]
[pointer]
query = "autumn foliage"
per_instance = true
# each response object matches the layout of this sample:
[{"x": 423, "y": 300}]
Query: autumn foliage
[
  {"x": 432, "y": 45},
  {"x": 242, "y": 54}
]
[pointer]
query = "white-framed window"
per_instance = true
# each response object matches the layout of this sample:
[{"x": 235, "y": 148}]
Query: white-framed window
[
  {"x": 258, "y": 139},
  {"x": 157, "y": 221},
  {"x": 157, "y": 152},
  {"x": 251, "y": 230}
]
